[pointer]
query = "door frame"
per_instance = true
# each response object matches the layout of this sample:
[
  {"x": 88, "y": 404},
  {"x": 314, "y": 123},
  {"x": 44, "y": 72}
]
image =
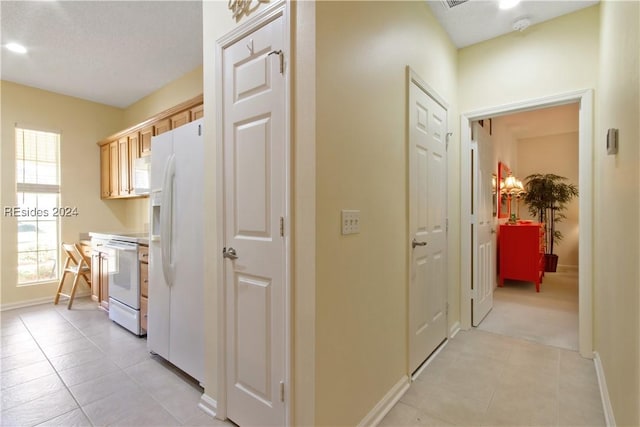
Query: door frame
[
  {"x": 585, "y": 182},
  {"x": 414, "y": 78},
  {"x": 262, "y": 18}
]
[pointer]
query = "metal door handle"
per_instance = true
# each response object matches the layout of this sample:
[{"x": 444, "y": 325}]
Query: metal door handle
[
  {"x": 229, "y": 253},
  {"x": 415, "y": 243}
]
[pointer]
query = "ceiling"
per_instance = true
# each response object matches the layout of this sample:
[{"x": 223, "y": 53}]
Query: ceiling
[
  {"x": 540, "y": 123},
  {"x": 478, "y": 20},
  {"x": 117, "y": 52},
  {"x": 112, "y": 52}
]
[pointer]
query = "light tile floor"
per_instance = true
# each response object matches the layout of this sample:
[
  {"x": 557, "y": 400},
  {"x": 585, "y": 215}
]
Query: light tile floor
[
  {"x": 484, "y": 379},
  {"x": 75, "y": 367}
]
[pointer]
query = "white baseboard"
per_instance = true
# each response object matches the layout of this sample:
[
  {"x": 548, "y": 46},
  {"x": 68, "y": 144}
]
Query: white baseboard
[
  {"x": 455, "y": 328},
  {"x": 604, "y": 391},
  {"x": 39, "y": 301},
  {"x": 383, "y": 407},
  {"x": 208, "y": 405}
]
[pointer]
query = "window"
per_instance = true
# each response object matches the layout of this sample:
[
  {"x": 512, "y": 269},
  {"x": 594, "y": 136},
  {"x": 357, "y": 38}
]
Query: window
[{"x": 38, "y": 194}]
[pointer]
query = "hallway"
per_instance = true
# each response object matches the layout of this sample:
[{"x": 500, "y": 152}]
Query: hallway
[{"x": 483, "y": 379}]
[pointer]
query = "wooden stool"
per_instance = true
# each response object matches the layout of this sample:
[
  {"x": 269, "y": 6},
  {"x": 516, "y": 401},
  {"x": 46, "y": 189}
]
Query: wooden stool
[{"x": 77, "y": 264}]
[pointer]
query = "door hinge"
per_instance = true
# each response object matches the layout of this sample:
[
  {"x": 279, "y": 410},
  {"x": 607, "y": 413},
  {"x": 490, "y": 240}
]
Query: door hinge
[
  {"x": 281, "y": 391},
  {"x": 447, "y": 225},
  {"x": 446, "y": 310},
  {"x": 281, "y": 56},
  {"x": 281, "y": 226}
]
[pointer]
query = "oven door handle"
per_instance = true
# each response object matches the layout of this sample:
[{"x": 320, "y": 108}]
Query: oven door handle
[{"x": 118, "y": 247}]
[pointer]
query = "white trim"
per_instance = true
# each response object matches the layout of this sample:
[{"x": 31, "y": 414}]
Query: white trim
[
  {"x": 585, "y": 184},
  {"x": 39, "y": 301},
  {"x": 208, "y": 404},
  {"x": 454, "y": 329},
  {"x": 262, "y": 18},
  {"x": 430, "y": 359},
  {"x": 385, "y": 404},
  {"x": 426, "y": 88},
  {"x": 604, "y": 391}
]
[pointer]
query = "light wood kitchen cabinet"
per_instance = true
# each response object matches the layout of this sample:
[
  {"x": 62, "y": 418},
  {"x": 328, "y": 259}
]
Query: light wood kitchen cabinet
[
  {"x": 128, "y": 151},
  {"x": 117, "y": 171},
  {"x": 114, "y": 170},
  {"x": 100, "y": 278},
  {"x": 105, "y": 170},
  {"x": 197, "y": 112},
  {"x": 180, "y": 119},
  {"x": 123, "y": 166},
  {"x": 143, "y": 257},
  {"x": 162, "y": 126},
  {"x": 145, "y": 140}
]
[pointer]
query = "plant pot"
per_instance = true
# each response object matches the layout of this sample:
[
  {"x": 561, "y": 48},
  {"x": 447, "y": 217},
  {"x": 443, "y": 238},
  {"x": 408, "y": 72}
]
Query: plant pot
[{"x": 550, "y": 263}]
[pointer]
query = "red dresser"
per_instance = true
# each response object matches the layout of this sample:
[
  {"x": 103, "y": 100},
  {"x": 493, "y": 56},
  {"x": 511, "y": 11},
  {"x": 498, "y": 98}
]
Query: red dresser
[{"x": 522, "y": 253}]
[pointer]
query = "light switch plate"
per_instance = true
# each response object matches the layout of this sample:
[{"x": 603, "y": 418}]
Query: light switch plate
[{"x": 350, "y": 221}]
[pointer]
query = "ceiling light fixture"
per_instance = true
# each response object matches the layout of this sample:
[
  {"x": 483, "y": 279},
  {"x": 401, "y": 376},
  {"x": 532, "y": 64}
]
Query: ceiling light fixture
[
  {"x": 521, "y": 24},
  {"x": 508, "y": 4},
  {"x": 15, "y": 47}
]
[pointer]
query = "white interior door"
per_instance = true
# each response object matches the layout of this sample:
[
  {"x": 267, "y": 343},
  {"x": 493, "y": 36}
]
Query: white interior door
[
  {"x": 484, "y": 249},
  {"x": 427, "y": 222},
  {"x": 254, "y": 203}
]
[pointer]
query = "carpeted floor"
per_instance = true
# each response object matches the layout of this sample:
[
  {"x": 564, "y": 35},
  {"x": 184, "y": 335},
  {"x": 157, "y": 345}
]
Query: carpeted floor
[{"x": 549, "y": 317}]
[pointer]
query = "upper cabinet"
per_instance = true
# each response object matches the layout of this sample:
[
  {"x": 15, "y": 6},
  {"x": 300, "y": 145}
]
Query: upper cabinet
[{"x": 119, "y": 152}]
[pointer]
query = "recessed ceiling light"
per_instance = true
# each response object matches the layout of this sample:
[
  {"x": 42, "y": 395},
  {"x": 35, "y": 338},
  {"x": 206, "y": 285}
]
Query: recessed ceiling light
[
  {"x": 15, "y": 47},
  {"x": 508, "y": 4}
]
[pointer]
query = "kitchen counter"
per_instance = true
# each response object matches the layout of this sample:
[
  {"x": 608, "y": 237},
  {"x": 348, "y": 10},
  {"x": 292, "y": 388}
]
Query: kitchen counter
[{"x": 141, "y": 238}]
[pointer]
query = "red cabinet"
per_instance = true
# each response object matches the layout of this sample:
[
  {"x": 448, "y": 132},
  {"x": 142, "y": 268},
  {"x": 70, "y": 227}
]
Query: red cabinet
[{"x": 522, "y": 253}]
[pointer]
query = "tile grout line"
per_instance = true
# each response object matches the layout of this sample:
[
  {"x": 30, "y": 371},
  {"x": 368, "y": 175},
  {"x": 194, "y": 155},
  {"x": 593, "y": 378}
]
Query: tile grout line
[
  {"x": 56, "y": 371},
  {"x": 123, "y": 370}
]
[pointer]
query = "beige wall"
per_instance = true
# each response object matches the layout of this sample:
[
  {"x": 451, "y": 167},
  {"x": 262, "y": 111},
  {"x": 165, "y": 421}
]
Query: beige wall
[
  {"x": 617, "y": 231},
  {"x": 182, "y": 89},
  {"x": 217, "y": 21},
  {"x": 361, "y": 163},
  {"x": 557, "y": 154},
  {"x": 554, "y": 57},
  {"x": 82, "y": 124}
]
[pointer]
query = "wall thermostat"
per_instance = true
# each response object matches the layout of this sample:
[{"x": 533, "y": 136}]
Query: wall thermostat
[{"x": 612, "y": 141}]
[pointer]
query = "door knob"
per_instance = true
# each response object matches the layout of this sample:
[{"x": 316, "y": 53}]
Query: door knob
[
  {"x": 415, "y": 243},
  {"x": 229, "y": 253}
]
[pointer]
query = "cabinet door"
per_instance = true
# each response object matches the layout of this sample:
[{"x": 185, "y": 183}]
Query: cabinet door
[
  {"x": 161, "y": 126},
  {"x": 180, "y": 119},
  {"x": 95, "y": 276},
  {"x": 134, "y": 153},
  {"x": 144, "y": 309},
  {"x": 123, "y": 165},
  {"x": 145, "y": 140},
  {"x": 105, "y": 172},
  {"x": 197, "y": 112},
  {"x": 144, "y": 279},
  {"x": 104, "y": 281},
  {"x": 114, "y": 172}
]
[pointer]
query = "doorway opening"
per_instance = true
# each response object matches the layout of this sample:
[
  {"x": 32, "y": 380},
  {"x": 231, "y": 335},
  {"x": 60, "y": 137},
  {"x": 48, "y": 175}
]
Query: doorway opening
[
  {"x": 584, "y": 100},
  {"x": 540, "y": 141}
]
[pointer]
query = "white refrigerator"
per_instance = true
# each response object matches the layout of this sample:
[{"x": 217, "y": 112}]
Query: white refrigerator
[{"x": 175, "y": 328}]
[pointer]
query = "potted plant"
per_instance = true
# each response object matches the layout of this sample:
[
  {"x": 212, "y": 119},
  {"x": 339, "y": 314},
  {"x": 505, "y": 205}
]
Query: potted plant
[{"x": 547, "y": 196}]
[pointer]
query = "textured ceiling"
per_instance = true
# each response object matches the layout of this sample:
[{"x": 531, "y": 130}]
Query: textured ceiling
[
  {"x": 112, "y": 52},
  {"x": 478, "y": 20},
  {"x": 117, "y": 52}
]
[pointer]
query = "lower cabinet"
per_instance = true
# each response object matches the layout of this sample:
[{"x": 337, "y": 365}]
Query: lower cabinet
[{"x": 100, "y": 278}]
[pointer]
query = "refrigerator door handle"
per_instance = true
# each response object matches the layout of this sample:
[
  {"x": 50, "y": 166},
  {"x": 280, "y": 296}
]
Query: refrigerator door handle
[{"x": 166, "y": 220}]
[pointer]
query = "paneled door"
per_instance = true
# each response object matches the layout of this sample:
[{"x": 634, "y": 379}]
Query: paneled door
[
  {"x": 254, "y": 156},
  {"x": 484, "y": 250},
  {"x": 428, "y": 224}
]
